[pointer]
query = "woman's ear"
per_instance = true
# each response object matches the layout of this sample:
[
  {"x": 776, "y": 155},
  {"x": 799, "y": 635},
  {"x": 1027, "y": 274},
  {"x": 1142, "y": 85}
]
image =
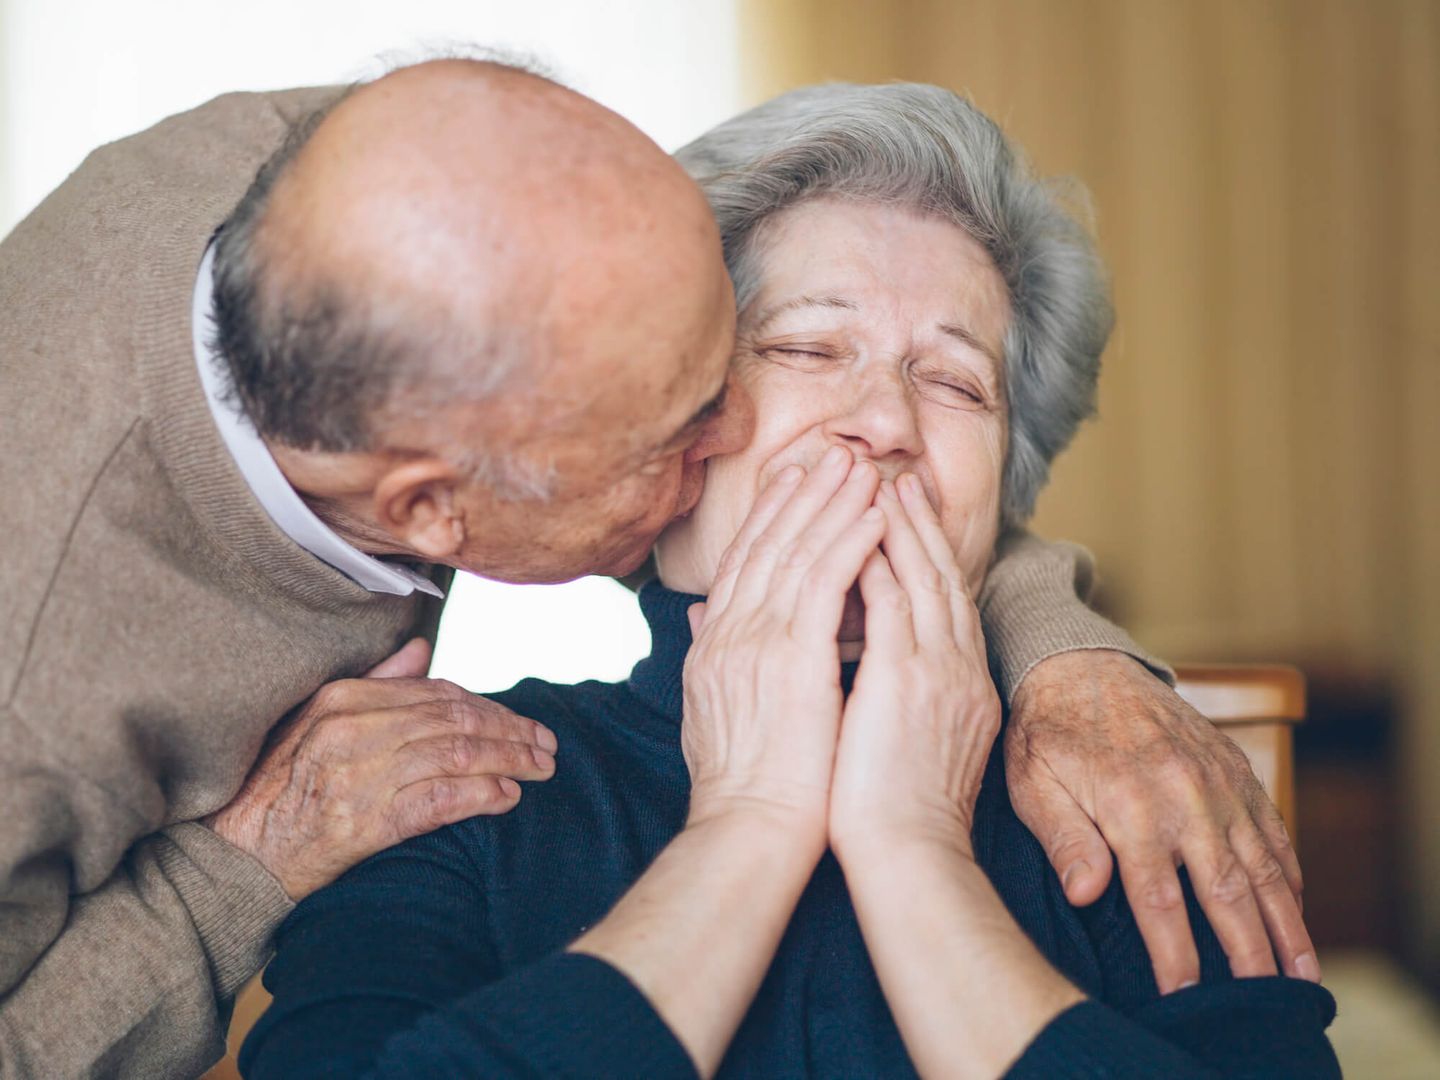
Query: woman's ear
[{"x": 417, "y": 502}]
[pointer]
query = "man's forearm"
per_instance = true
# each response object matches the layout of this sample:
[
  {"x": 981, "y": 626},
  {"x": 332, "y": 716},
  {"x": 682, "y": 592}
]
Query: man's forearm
[
  {"x": 134, "y": 983},
  {"x": 1034, "y": 606}
]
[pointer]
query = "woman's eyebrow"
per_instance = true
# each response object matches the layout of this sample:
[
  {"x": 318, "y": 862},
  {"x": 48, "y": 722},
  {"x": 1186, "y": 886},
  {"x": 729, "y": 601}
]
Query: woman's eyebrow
[
  {"x": 962, "y": 333},
  {"x": 829, "y": 301}
]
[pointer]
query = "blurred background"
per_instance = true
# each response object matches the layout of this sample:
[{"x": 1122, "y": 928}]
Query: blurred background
[{"x": 1261, "y": 483}]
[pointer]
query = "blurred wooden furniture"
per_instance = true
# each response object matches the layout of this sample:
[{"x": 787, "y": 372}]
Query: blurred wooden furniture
[{"x": 1257, "y": 705}]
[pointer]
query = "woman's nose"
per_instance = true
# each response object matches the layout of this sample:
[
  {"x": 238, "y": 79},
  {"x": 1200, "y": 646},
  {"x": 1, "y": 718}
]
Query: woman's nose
[
  {"x": 730, "y": 429},
  {"x": 881, "y": 422}
]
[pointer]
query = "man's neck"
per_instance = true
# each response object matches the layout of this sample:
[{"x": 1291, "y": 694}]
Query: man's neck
[{"x": 337, "y": 487}]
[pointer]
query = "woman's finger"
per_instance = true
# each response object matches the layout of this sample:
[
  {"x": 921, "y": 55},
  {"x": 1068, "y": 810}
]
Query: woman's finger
[
  {"x": 916, "y": 573},
  {"x": 964, "y": 617},
  {"x": 796, "y": 569},
  {"x": 696, "y": 614},
  {"x": 820, "y": 604},
  {"x": 770, "y": 502},
  {"x": 888, "y": 626},
  {"x": 767, "y": 550}
]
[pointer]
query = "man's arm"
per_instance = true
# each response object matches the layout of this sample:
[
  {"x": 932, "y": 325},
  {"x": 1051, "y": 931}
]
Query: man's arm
[
  {"x": 139, "y": 978},
  {"x": 139, "y": 981},
  {"x": 1102, "y": 754},
  {"x": 1035, "y": 605}
]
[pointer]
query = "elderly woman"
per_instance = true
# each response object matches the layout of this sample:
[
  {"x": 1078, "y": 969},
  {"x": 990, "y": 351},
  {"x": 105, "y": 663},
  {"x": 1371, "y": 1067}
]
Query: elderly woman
[{"x": 755, "y": 859}]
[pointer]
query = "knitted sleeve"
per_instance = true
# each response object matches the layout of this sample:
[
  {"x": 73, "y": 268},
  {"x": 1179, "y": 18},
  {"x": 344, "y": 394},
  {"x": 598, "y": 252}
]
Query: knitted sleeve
[
  {"x": 1034, "y": 605},
  {"x": 139, "y": 982},
  {"x": 391, "y": 972},
  {"x": 1260, "y": 1028}
]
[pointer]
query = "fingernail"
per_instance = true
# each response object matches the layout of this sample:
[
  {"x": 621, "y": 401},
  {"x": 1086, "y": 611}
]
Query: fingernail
[
  {"x": 543, "y": 759},
  {"x": 1187, "y": 984},
  {"x": 545, "y": 738},
  {"x": 789, "y": 474},
  {"x": 1308, "y": 967},
  {"x": 834, "y": 456},
  {"x": 1081, "y": 867},
  {"x": 509, "y": 787}
]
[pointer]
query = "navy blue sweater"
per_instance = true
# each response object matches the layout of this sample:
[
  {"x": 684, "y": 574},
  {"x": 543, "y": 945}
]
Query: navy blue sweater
[{"x": 445, "y": 956}]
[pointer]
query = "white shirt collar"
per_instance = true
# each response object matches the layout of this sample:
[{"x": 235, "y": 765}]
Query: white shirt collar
[{"x": 264, "y": 477}]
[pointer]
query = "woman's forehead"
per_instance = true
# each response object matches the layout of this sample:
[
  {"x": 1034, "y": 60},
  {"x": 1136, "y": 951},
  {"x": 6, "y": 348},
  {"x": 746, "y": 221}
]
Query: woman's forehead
[{"x": 832, "y": 261}]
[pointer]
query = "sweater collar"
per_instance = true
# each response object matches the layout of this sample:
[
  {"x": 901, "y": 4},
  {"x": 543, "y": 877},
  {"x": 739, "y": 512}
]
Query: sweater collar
[{"x": 658, "y": 679}]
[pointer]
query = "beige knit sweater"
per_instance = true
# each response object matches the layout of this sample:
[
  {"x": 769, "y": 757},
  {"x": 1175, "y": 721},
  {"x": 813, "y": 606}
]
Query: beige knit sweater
[{"x": 154, "y": 623}]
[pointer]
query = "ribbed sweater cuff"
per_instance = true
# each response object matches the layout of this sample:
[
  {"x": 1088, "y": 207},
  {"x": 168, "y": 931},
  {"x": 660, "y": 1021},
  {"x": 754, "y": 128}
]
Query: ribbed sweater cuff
[
  {"x": 1033, "y": 608},
  {"x": 573, "y": 1015},
  {"x": 1089, "y": 1040},
  {"x": 235, "y": 903}
]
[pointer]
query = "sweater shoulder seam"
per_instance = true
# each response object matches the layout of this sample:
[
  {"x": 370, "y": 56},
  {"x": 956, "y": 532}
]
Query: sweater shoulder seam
[{"x": 64, "y": 553}]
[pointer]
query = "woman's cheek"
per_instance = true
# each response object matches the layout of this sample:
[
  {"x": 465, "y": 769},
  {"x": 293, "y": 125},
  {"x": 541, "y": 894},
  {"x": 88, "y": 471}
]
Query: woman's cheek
[{"x": 969, "y": 482}]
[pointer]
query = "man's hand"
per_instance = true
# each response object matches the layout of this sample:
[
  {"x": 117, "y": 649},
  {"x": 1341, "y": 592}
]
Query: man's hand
[
  {"x": 367, "y": 763},
  {"x": 1100, "y": 754}
]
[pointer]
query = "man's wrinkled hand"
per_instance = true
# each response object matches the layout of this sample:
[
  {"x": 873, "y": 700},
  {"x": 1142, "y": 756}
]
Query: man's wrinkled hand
[
  {"x": 369, "y": 762},
  {"x": 1102, "y": 755}
]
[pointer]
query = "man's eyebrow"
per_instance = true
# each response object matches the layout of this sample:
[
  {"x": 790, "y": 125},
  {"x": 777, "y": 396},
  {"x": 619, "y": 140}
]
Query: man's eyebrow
[
  {"x": 770, "y": 314},
  {"x": 962, "y": 333}
]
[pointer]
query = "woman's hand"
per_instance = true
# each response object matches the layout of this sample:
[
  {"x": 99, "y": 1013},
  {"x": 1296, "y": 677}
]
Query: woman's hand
[
  {"x": 762, "y": 681},
  {"x": 924, "y": 713},
  {"x": 967, "y": 988},
  {"x": 762, "y": 706}
]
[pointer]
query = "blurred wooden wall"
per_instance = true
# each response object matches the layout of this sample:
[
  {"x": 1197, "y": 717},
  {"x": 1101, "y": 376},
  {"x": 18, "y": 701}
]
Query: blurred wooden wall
[{"x": 1264, "y": 480}]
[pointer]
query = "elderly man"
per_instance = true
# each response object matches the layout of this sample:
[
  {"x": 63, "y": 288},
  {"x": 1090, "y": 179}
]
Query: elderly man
[{"x": 461, "y": 318}]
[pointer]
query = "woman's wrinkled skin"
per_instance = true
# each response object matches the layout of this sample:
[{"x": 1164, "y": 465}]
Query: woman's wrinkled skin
[{"x": 881, "y": 330}]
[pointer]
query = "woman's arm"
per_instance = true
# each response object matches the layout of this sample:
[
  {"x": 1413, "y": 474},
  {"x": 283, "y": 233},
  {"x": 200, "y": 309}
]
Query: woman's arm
[
  {"x": 969, "y": 991},
  {"x": 967, "y": 988},
  {"x": 762, "y": 713},
  {"x": 974, "y": 997}
]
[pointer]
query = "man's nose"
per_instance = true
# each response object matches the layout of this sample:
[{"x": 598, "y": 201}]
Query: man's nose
[
  {"x": 880, "y": 422},
  {"x": 730, "y": 429}
]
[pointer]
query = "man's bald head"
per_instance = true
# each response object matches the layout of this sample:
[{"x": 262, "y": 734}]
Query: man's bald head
[{"x": 435, "y": 231}]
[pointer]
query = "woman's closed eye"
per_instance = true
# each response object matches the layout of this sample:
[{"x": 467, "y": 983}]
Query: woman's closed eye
[
  {"x": 950, "y": 389},
  {"x": 800, "y": 352}
]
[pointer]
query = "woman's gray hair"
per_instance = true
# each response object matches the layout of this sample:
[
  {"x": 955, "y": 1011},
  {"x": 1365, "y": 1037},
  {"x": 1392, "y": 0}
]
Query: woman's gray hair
[{"x": 922, "y": 146}]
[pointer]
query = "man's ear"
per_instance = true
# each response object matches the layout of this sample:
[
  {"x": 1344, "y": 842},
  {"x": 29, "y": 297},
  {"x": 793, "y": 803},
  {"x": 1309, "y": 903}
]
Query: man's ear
[{"x": 417, "y": 502}]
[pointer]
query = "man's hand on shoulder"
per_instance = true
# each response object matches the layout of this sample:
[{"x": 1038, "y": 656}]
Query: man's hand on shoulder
[
  {"x": 367, "y": 763},
  {"x": 1102, "y": 755}
]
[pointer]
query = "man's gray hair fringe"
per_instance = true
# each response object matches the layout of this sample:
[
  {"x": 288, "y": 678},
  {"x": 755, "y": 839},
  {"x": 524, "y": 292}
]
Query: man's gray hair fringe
[
  {"x": 316, "y": 371},
  {"x": 926, "y": 147}
]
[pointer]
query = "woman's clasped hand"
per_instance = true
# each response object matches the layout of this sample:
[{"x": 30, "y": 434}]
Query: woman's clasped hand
[{"x": 766, "y": 726}]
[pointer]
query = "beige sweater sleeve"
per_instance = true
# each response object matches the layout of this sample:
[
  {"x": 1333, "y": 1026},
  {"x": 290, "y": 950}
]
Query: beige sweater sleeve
[
  {"x": 140, "y": 981},
  {"x": 1035, "y": 605}
]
